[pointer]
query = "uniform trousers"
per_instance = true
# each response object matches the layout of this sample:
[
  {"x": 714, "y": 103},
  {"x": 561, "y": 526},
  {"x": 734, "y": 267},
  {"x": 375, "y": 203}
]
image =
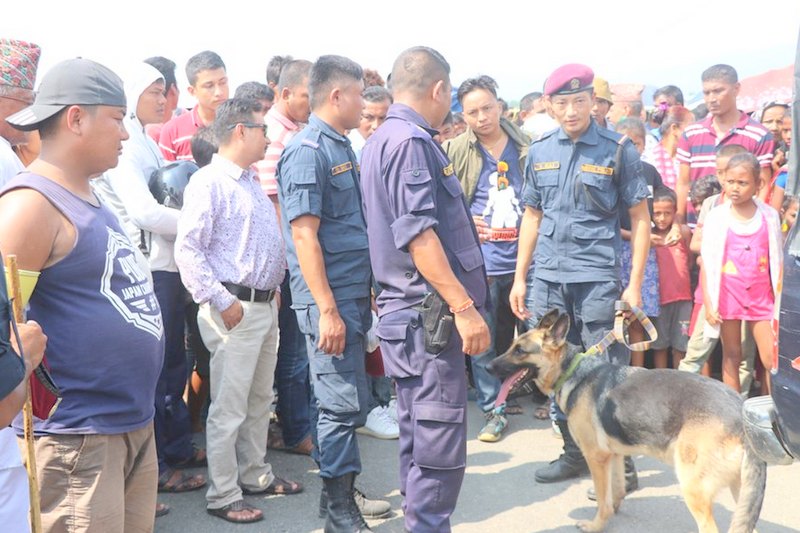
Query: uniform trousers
[
  {"x": 431, "y": 409},
  {"x": 339, "y": 387}
]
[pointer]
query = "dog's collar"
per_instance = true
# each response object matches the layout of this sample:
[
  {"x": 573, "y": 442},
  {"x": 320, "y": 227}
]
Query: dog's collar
[{"x": 570, "y": 369}]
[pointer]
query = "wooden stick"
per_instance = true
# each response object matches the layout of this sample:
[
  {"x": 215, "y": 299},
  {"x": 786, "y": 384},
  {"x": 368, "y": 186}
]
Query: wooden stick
[{"x": 27, "y": 411}]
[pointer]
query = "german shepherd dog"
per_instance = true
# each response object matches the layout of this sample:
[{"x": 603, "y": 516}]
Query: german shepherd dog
[{"x": 689, "y": 421}]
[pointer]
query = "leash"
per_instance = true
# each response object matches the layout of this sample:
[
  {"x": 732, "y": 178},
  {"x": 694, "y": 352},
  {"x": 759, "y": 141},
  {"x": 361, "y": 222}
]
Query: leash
[{"x": 617, "y": 334}]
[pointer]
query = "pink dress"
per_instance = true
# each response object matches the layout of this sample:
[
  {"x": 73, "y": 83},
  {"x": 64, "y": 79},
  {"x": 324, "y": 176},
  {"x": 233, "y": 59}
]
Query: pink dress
[{"x": 745, "y": 291}]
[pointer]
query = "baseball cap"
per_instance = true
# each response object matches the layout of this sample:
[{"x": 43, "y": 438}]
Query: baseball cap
[{"x": 76, "y": 81}]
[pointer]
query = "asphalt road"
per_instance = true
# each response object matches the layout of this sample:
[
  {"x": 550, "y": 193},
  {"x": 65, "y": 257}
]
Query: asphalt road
[{"x": 499, "y": 492}]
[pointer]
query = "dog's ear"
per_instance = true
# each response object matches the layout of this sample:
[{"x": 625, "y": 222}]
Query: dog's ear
[
  {"x": 558, "y": 331},
  {"x": 547, "y": 321}
]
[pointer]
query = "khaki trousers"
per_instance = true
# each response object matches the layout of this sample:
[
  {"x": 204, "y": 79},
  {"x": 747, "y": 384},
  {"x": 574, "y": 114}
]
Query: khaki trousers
[
  {"x": 97, "y": 483},
  {"x": 243, "y": 363}
]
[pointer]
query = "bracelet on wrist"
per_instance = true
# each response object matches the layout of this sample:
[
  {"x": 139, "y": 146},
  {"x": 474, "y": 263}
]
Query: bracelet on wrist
[{"x": 463, "y": 307}]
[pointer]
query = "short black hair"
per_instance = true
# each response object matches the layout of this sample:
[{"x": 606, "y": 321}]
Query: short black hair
[
  {"x": 484, "y": 82},
  {"x": 275, "y": 67},
  {"x": 376, "y": 93},
  {"x": 232, "y": 112},
  {"x": 723, "y": 73},
  {"x": 416, "y": 69},
  {"x": 206, "y": 60},
  {"x": 671, "y": 91},
  {"x": 527, "y": 101},
  {"x": 204, "y": 145},
  {"x": 254, "y": 90},
  {"x": 632, "y": 124},
  {"x": 749, "y": 162},
  {"x": 665, "y": 194},
  {"x": 730, "y": 150},
  {"x": 329, "y": 71},
  {"x": 703, "y": 188},
  {"x": 167, "y": 69},
  {"x": 294, "y": 74}
]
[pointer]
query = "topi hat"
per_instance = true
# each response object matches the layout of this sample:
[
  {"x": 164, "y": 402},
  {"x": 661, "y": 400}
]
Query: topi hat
[{"x": 18, "y": 62}]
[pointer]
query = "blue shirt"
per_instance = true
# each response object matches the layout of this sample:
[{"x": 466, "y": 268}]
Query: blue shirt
[
  {"x": 409, "y": 186},
  {"x": 500, "y": 256},
  {"x": 318, "y": 175},
  {"x": 574, "y": 186}
]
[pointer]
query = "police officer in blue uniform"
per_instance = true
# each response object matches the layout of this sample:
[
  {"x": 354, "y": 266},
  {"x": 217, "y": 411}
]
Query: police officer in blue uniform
[
  {"x": 422, "y": 242},
  {"x": 577, "y": 178},
  {"x": 326, "y": 241}
]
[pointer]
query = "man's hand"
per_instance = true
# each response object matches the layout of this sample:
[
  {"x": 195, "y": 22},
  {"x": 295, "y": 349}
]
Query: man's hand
[
  {"x": 473, "y": 330},
  {"x": 331, "y": 332},
  {"x": 517, "y": 300},
  {"x": 632, "y": 297},
  {"x": 232, "y": 315},
  {"x": 656, "y": 240},
  {"x": 34, "y": 342},
  {"x": 484, "y": 231}
]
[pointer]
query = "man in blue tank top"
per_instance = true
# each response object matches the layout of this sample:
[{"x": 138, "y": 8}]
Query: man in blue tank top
[{"x": 95, "y": 302}]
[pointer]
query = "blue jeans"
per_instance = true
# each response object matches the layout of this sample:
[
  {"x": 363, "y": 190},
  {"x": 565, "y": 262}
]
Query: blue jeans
[
  {"x": 171, "y": 422},
  {"x": 501, "y": 322},
  {"x": 291, "y": 373}
]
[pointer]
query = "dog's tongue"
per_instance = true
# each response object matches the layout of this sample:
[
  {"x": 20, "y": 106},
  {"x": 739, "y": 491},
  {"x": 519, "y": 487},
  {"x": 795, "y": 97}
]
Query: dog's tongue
[{"x": 505, "y": 388}]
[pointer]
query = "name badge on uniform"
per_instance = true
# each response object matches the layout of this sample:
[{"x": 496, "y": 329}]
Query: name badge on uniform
[
  {"x": 594, "y": 169},
  {"x": 549, "y": 165},
  {"x": 448, "y": 170},
  {"x": 339, "y": 169}
]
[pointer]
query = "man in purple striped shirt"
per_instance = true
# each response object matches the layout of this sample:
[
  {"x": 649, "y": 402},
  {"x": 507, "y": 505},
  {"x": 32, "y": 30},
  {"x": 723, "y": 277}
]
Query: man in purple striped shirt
[
  {"x": 231, "y": 258},
  {"x": 697, "y": 148}
]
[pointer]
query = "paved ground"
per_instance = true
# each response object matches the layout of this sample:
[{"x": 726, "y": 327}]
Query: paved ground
[{"x": 499, "y": 493}]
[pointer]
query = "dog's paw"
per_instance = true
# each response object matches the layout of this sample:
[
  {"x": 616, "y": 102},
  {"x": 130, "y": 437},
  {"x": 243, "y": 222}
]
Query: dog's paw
[{"x": 590, "y": 526}]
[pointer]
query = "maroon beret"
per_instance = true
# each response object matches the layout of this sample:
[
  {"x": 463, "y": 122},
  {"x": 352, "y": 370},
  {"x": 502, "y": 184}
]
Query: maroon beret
[{"x": 569, "y": 79}]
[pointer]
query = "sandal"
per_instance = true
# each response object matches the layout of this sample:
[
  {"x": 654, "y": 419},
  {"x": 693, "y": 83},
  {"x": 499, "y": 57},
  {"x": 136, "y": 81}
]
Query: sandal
[
  {"x": 198, "y": 459},
  {"x": 542, "y": 412},
  {"x": 513, "y": 408},
  {"x": 174, "y": 480},
  {"x": 226, "y": 513},
  {"x": 278, "y": 487},
  {"x": 161, "y": 509}
]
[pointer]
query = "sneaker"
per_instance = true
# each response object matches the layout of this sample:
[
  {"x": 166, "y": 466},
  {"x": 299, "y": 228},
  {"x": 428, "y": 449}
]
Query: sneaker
[
  {"x": 495, "y": 424},
  {"x": 391, "y": 410},
  {"x": 380, "y": 425}
]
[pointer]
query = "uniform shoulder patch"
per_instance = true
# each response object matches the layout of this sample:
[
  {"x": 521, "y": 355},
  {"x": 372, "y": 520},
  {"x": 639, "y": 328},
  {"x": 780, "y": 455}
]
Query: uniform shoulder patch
[
  {"x": 448, "y": 170},
  {"x": 309, "y": 142}
]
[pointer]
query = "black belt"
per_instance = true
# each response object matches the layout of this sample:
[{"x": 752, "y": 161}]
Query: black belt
[{"x": 247, "y": 294}]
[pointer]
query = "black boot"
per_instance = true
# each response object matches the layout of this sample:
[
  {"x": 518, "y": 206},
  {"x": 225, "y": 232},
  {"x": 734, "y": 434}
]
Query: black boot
[
  {"x": 343, "y": 514},
  {"x": 369, "y": 508},
  {"x": 570, "y": 464},
  {"x": 631, "y": 479}
]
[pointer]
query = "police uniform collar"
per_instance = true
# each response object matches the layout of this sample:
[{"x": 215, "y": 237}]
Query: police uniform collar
[
  {"x": 326, "y": 129},
  {"x": 404, "y": 112},
  {"x": 590, "y": 136}
]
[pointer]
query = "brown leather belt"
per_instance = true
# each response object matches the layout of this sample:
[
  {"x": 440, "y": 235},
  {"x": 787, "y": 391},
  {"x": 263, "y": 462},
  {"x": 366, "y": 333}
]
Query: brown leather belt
[{"x": 246, "y": 294}]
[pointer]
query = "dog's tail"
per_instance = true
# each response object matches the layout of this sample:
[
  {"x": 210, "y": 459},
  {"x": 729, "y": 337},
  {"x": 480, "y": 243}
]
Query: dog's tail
[{"x": 751, "y": 493}]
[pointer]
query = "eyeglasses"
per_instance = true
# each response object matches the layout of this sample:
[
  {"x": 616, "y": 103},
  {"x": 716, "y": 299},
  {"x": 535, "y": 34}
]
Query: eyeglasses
[{"x": 250, "y": 125}]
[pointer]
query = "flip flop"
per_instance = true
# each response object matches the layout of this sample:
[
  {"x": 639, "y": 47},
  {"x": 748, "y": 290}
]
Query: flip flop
[
  {"x": 278, "y": 487},
  {"x": 174, "y": 480},
  {"x": 161, "y": 509},
  {"x": 542, "y": 413},
  {"x": 237, "y": 507}
]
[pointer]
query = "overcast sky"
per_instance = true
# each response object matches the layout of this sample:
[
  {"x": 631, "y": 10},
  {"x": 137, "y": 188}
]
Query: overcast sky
[{"x": 517, "y": 43}]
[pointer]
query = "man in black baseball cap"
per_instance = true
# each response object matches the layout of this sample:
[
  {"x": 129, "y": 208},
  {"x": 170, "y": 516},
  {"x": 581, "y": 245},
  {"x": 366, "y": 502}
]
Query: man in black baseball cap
[{"x": 95, "y": 302}]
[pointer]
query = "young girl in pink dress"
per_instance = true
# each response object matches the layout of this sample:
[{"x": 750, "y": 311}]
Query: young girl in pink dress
[{"x": 742, "y": 263}]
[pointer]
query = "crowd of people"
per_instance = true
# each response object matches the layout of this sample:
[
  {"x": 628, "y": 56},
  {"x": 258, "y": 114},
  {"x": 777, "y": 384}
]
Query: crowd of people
[{"x": 330, "y": 254}]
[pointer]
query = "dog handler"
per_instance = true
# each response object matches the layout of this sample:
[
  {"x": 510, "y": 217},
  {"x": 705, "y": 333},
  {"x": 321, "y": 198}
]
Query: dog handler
[
  {"x": 422, "y": 239},
  {"x": 575, "y": 187}
]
